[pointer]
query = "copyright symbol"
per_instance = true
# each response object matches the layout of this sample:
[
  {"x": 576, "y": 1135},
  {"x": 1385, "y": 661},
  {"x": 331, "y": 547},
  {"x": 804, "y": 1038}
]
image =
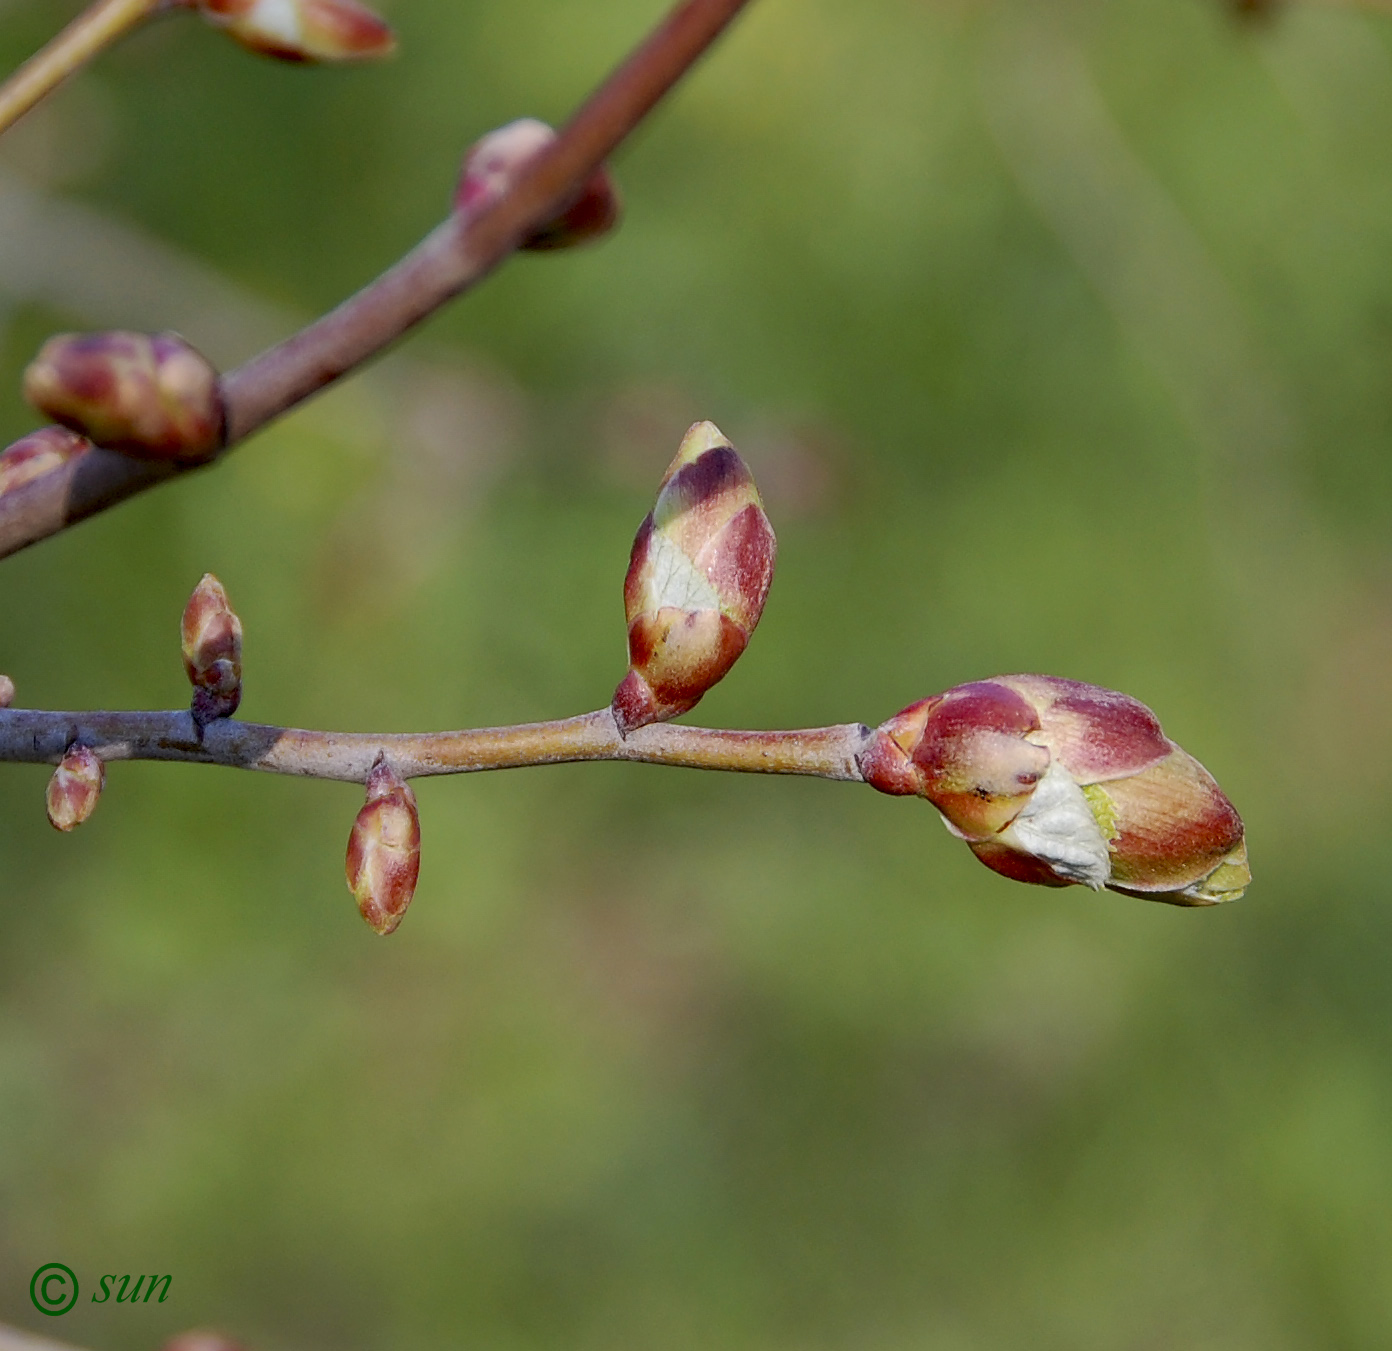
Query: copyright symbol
[{"x": 48, "y": 1288}]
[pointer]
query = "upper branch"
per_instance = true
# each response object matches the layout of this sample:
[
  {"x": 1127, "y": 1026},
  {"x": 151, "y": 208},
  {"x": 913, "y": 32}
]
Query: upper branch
[{"x": 454, "y": 256}]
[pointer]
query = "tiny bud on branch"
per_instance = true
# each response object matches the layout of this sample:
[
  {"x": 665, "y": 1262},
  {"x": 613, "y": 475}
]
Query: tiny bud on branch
[
  {"x": 152, "y": 397},
  {"x": 303, "y": 30},
  {"x": 492, "y": 166},
  {"x": 383, "y": 859},
  {"x": 35, "y": 455},
  {"x": 697, "y": 580},
  {"x": 212, "y": 647},
  {"x": 75, "y": 788},
  {"x": 7, "y": 691},
  {"x": 1055, "y": 781}
]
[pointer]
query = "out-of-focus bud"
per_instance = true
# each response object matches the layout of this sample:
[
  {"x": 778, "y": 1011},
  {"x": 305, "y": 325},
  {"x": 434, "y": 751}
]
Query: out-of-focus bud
[
  {"x": 152, "y": 397},
  {"x": 303, "y": 30},
  {"x": 697, "y": 580},
  {"x": 76, "y": 785},
  {"x": 35, "y": 455},
  {"x": 212, "y": 647},
  {"x": 7, "y": 691},
  {"x": 383, "y": 860},
  {"x": 1055, "y": 782},
  {"x": 494, "y": 162}
]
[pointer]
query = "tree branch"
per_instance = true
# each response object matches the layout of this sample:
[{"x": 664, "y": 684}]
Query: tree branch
[
  {"x": 92, "y": 31},
  {"x": 34, "y": 737},
  {"x": 453, "y": 257}
]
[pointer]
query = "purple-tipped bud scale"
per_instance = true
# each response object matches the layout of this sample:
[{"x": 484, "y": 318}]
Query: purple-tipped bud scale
[{"x": 698, "y": 576}]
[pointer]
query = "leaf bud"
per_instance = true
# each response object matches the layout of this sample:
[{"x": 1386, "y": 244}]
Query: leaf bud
[
  {"x": 383, "y": 860},
  {"x": 495, "y": 160},
  {"x": 697, "y": 580},
  {"x": 37, "y": 454},
  {"x": 155, "y": 398},
  {"x": 75, "y": 787},
  {"x": 1056, "y": 782},
  {"x": 7, "y": 691},
  {"x": 211, "y": 636},
  {"x": 303, "y": 30}
]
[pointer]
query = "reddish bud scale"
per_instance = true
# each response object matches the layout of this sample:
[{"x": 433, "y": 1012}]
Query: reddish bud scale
[
  {"x": 154, "y": 397},
  {"x": 303, "y": 30},
  {"x": 75, "y": 788},
  {"x": 37, "y": 454},
  {"x": 211, "y": 640},
  {"x": 383, "y": 862},
  {"x": 698, "y": 576},
  {"x": 492, "y": 166},
  {"x": 1054, "y": 781}
]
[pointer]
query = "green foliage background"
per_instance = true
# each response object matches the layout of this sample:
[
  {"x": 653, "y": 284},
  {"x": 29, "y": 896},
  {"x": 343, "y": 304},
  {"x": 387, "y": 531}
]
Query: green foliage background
[{"x": 1060, "y": 338}]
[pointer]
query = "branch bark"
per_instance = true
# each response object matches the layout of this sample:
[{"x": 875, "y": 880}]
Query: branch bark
[
  {"x": 453, "y": 257},
  {"x": 92, "y": 30},
  {"x": 36, "y": 737}
]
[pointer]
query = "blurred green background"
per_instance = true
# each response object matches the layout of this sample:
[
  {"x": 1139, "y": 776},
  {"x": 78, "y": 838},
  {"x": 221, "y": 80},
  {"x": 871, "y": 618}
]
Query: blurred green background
[{"x": 1059, "y": 337}]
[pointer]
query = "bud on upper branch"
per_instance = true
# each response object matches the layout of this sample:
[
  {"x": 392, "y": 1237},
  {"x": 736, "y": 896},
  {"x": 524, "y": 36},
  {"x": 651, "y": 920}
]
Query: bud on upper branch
[
  {"x": 383, "y": 860},
  {"x": 1055, "y": 781},
  {"x": 212, "y": 646},
  {"x": 494, "y": 162},
  {"x": 303, "y": 30},
  {"x": 697, "y": 580},
  {"x": 37, "y": 454},
  {"x": 75, "y": 788},
  {"x": 152, "y": 397}
]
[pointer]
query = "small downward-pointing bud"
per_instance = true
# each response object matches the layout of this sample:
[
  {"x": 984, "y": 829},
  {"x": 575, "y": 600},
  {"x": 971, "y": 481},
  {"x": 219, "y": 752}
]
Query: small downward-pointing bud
[
  {"x": 211, "y": 637},
  {"x": 383, "y": 860},
  {"x": 153, "y": 397},
  {"x": 492, "y": 166},
  {"x": 303, "y": 30},
  {"x": 75, "y": 788},
  {"x": 697, "y": 580}
]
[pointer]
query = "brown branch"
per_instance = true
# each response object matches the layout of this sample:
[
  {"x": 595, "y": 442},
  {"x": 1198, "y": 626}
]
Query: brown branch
[
  {"x": 92, "y": 31},
  {"x": 35, "y": 737},
  {"x": 453, "y": 257}
]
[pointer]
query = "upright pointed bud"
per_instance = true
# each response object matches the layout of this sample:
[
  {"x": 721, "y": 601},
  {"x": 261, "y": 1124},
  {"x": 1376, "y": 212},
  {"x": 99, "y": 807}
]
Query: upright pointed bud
[
  {"x": 1055, "y": 781},
  {"x": 37, "y": 454},
  {"x": 697, "y": 580},
  {"x": 492, "y": 165},
  {"x": 75, "y": 787},
  {"x": 212, "y": 648},
  {"x": 383, "y": 860},
  {"x": 152, "y": 397},
  {"x": 303, "y": 30},
  {"x": 7, "y": 691}
]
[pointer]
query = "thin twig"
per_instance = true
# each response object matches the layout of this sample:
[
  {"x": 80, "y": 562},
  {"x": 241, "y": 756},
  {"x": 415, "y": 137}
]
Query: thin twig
[
  {"x": 452, "y": 258},
  {"x": 92, "y": 31},
  {"x": 35, "y": 737}
]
